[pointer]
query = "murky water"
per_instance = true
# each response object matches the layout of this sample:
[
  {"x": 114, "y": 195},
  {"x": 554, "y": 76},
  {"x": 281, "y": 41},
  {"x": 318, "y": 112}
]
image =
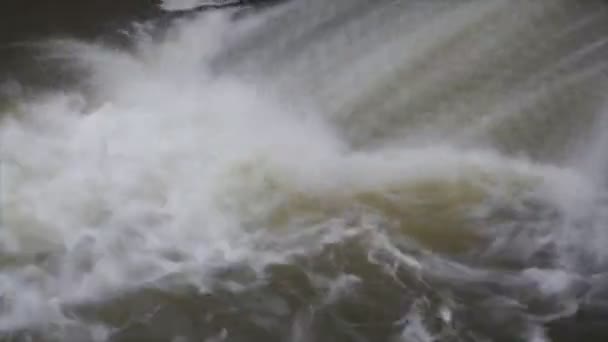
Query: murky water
[{"x": 310, "y": 171}]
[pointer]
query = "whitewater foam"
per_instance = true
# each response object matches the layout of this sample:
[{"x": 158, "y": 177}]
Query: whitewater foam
[{"x": 162, "y": 172}]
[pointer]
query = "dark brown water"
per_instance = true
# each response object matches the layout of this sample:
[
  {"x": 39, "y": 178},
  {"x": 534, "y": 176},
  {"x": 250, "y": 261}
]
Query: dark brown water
[{"x": 23, "y": 23}]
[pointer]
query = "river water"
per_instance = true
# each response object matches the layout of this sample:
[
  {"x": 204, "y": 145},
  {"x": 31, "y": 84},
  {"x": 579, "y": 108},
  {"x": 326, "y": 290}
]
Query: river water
[{"x": 353, "y": 170}]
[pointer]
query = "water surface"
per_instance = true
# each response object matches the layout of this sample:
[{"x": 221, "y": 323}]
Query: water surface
[{"x": 309, "y": 171}]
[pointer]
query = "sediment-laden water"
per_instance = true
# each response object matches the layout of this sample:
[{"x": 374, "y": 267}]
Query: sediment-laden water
[{"x": 309, "y": 171}]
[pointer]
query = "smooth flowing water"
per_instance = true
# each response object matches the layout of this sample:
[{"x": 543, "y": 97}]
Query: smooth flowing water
[{"x": 346, "y": 170}]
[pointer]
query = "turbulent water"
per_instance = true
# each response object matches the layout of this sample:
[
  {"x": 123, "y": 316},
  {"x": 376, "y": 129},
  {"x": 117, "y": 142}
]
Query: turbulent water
[{"x": 344, "y": 170}]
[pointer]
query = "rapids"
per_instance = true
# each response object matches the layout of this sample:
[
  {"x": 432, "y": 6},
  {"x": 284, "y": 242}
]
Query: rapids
[{"x": 350, "y": 170}]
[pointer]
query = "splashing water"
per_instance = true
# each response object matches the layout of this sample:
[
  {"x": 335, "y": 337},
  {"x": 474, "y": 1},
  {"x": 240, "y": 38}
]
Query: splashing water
[{"x": 402, "y": 171}]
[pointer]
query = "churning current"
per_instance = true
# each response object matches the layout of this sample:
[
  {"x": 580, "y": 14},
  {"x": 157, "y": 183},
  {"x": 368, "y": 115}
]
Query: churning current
[{"x": 311, "y": 171}]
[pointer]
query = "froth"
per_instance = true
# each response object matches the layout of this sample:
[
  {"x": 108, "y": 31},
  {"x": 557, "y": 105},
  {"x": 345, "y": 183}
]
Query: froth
[{"x": 134, "y": 180}]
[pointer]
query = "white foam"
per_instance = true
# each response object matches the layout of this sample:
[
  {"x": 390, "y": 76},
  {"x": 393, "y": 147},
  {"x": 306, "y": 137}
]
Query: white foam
[
  {"x": 114, "y": 186},
  {"x": 181, "y": 5}
]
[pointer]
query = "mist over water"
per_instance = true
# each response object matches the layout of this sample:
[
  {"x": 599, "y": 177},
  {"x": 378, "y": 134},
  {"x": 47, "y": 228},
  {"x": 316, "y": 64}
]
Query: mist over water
[{"x": 347, "y": 171}]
